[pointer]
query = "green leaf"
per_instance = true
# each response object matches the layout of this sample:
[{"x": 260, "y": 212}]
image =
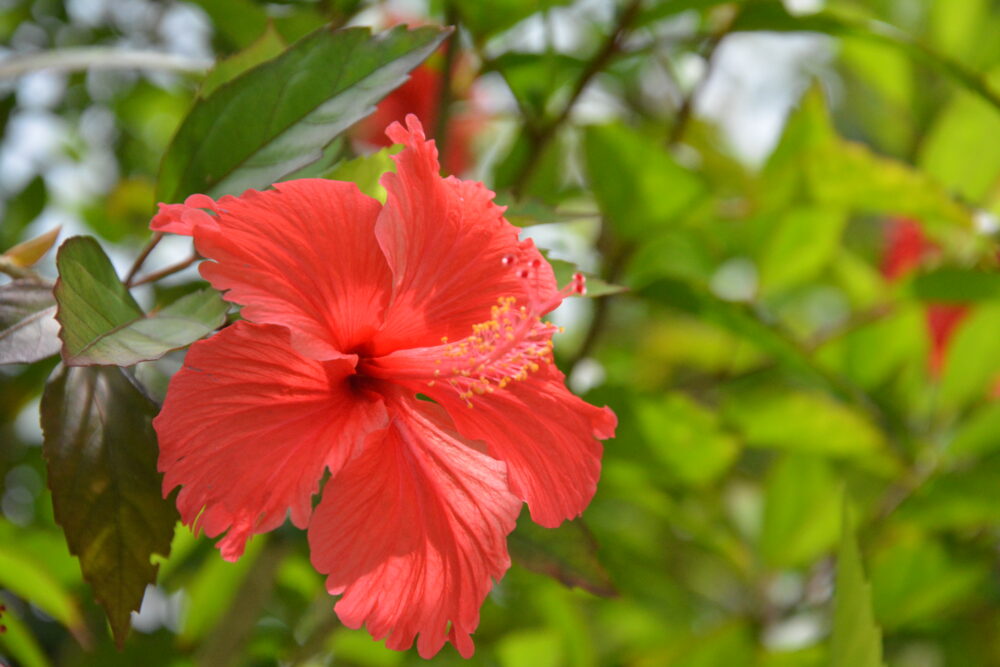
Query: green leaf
[
  {"x": 805, "y": 240},
  {"x": 956, "y": 286},
  {"x": 567, "y": 553},
  {"x": 856, "y": 640},
  {"x": 956, "y": 135},
  {"x": 20, "y": 643},
  {"x": 915, "y": 582},
  {"x": 973, "y": 357},
  {"x": 265, "y": 47},
  {"x": 639, "y": 187},
  {"x": 92, "y": 301},
  {"x": 28, "y": 327},
  {"x": 366, "y": 171},
  {"x": 803, "y": 422},
  {"x": 27, "y": 578},
  {"x": 687, "y": 438},
  {"x": 800, "y": 522},
  {"x": 312, "y": 92},
  {"x": 741, "y": 320},
  {"x": 188, "y": 319},
  {"x": 103, "y": 325},
  {"x": 100, "y": 450}
]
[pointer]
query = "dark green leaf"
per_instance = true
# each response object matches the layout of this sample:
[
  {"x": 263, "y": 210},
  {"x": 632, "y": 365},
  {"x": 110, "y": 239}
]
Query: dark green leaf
[
  {"x": 488, "y": 17},
  {"x": 956, "y": 285},
  {"x": 28, "y": 327},
  {"x": 276, "y": 118},
  {"x": 267, "y": 46},
  {"x": 101, "y": 452},
  {"x": 567, "y": 553},
  {"x": 856, "y": 640},
  {"x": 103, "y": 325},
  {"x": 804, "y": 240}
]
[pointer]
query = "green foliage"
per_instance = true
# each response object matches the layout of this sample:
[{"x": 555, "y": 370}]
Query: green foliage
[
  {"x": 103, "y": 325},
  {"x": 774, "y": 332},
  {"x": 315, "y": 89},
  {"x": 98, "y": 428},
  {"x": 856, "y": 640}
]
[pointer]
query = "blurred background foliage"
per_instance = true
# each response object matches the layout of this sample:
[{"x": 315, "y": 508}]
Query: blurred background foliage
[{"x": 801, "y": 201}]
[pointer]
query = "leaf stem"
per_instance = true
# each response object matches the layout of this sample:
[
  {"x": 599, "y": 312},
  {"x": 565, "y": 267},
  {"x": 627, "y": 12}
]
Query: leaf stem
[
  {"x": 141, "y": 259},
  {"x": 167, "y": 271}
]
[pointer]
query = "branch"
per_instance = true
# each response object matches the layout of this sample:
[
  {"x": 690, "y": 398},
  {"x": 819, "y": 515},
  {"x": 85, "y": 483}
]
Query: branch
[
  {"x": 168, "y": 271},
  {"x": 72, "y": 60},
  {"x": 445, "y": 94},
  {"x": 600, "y": 60},
  {"x": 687, "y": 104},
  {"x": 141, "y": 259}
]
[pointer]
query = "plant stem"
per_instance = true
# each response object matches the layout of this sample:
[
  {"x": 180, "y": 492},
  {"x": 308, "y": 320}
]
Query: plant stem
[
  {"x": 72, "y": 60},
  {"x": 164, "y": 272},
  {"x": 543, "y": 135},
  {"x": 141, "y": 259},
  {"x": 445, "y": 94},
  {"x": 687, "y": 104}
]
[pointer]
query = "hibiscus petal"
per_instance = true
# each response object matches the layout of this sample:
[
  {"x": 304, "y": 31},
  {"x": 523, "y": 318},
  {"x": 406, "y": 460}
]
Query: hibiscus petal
[
  {"x": 413, "y": 532},
  {"x": 547, "y": 436},
  {"x": 249, "y": 425},
  {"x": 452, "y": 253},
  {"x": 303, "y": 255}
]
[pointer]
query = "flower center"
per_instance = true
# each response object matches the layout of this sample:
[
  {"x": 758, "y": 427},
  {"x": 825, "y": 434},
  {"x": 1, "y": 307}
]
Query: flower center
[{"x": 513, "y": 343}]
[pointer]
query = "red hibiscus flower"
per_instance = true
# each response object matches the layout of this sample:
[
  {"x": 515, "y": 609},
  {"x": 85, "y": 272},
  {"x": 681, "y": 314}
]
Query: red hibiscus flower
[
  {"x": 906, "y": 249},
  {"x": 355, "y": 314}
]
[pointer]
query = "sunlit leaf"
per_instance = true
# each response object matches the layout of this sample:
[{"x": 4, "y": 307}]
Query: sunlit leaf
[
  {"x": 856, "y": 639},
  {"x": 366, "y": 171},
  {"x": 805, "y": 239},
  {"x": 103, "y": 325},
  {"x": 803, "y": 422},
  {"x": 29, "y": 579},
  {"x": 98, "y": 430},
  {"x": 313, "y": 91},
  {"x": 687, "y": 438},
  {"x": 638, "y": 186},
  {"x": 800, "y": 521},
  {"x": 28, "y": 327}
]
